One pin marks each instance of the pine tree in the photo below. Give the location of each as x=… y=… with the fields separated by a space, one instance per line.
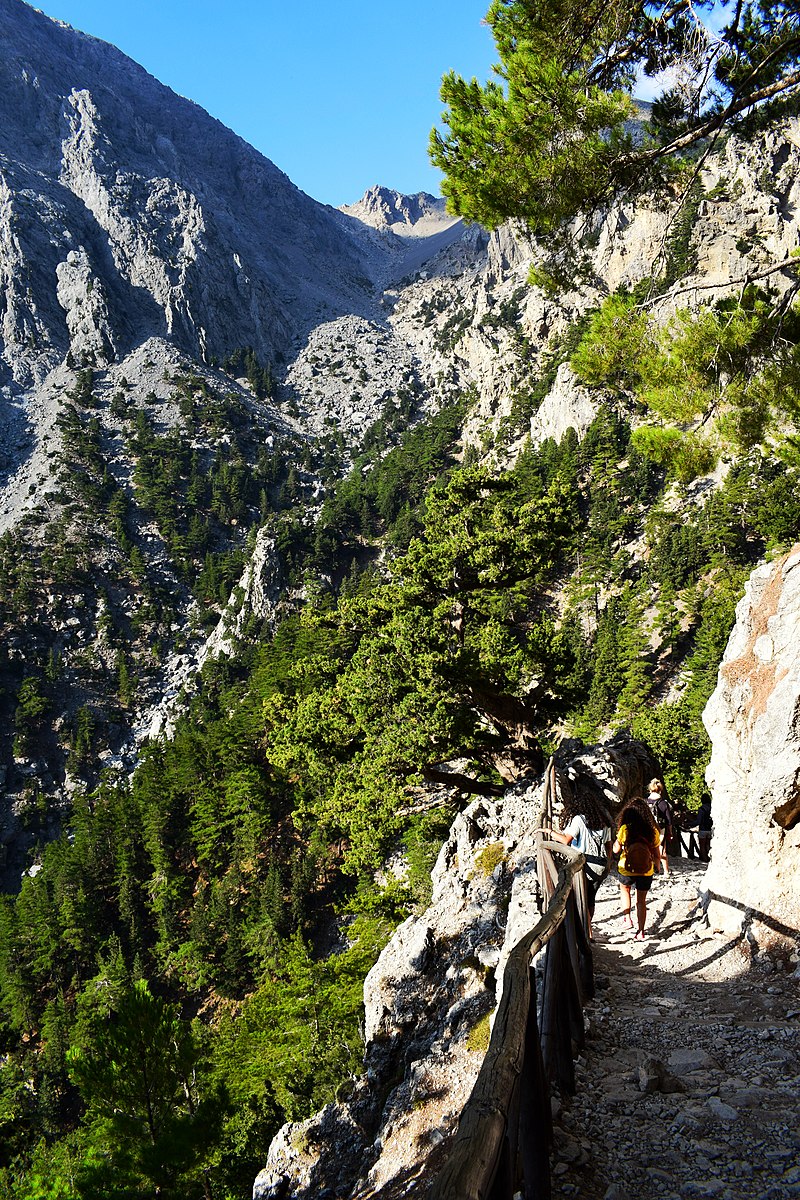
x=152 y=1125
x=549 y=140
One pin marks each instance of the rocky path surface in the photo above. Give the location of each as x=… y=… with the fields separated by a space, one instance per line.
x=689 y=1085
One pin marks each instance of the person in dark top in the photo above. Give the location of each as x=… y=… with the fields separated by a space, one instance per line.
x=661 y=809
x=704 y=828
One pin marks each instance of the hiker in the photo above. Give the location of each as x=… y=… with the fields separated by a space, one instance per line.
x=638 y=844
x=704 y=828
x=661 y=809
x=586 y=825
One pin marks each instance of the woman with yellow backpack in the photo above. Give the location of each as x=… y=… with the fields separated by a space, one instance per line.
x=638 y=844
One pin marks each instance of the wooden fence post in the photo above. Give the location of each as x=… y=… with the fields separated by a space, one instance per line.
x=536 y=1116
x=504 y=1182
x=572 y=1007
x=584 y=947
x=572 y=922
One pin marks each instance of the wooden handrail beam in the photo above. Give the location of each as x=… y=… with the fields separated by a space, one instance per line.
x=483 y=1128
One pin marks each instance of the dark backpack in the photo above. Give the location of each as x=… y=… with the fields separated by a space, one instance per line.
x=662 y=813
x=638 y=857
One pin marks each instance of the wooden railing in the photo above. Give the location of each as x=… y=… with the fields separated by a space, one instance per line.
x=502 y=1144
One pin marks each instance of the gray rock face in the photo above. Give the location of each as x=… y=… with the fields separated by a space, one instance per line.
x=424 y=999
x=108 y=178
x=406 y=216
x=568 y=405
x=753 y=720
x=81 y=295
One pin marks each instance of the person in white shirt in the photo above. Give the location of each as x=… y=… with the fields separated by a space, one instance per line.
x=586 y=825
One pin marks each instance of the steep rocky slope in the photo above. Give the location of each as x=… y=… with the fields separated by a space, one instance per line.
x=127 y=212
x=478 y=320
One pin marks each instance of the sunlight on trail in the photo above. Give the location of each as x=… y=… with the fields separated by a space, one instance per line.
x=689 y=1086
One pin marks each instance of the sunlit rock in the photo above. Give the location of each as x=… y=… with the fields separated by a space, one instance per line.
x=753 y=719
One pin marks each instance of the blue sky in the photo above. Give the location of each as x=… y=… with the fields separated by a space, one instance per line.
x=340 y=94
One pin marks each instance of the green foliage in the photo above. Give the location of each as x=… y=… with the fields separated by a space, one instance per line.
x=683 y=456
x=614 y=341
x=299 y=1030
x=681 y=258
x=260 y=378
x=435 y=649
x=480 y=1034
x=549 y=140
x=386 y=497
x=490 y=858
x=678 y=740
x=422 y=842
x=674 y=731
x=724 y=375
x=149 y=1120
x=52 y=1174
x=535 y=147
x=82 y=737
x=32 y=704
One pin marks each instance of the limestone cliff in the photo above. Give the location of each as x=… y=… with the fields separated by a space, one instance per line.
x=753 y=720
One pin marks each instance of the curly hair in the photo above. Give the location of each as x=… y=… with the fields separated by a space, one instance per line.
x=636 y=814
x=587 y=804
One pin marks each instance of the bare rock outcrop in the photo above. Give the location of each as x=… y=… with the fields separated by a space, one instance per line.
x=753 y=720
x=568 y=405
x=82 y=297
x=417 y=215
x=424 y=1000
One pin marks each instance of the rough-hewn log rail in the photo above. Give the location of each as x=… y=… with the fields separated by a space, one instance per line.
x=502 y=1143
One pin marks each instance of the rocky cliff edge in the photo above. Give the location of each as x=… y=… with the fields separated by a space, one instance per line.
x=429 y=997
x=753 y=720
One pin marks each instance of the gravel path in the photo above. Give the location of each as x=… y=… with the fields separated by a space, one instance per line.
x=690 y=1081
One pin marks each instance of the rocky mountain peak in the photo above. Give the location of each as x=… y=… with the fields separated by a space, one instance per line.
x=418 y=215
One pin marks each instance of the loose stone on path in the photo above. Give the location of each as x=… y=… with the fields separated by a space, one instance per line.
x=689 y=1084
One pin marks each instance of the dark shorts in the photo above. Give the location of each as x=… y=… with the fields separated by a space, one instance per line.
x=640 y=883
x=592 y=884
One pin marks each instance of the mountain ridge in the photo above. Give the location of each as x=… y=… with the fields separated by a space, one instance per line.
x=414 y=215
x=115 y=142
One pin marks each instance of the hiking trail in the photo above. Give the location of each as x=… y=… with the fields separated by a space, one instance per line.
x=689 y=1084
